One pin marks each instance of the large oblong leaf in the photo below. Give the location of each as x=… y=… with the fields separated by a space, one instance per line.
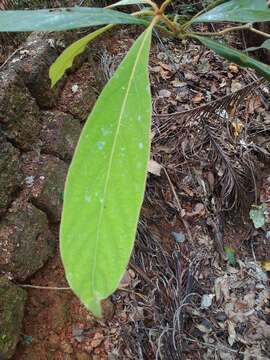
x=237 y=11
x=106 y=181
x=235 y=56
x=65 y=60
x=62 y=19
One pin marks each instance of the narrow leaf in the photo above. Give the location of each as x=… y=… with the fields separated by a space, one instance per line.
x=65 y=60
x=237 y=11
x=231 y=255
x=128 y=2
x=265 y=45
x=235 y=56
x=62 y=19
x=106 y=181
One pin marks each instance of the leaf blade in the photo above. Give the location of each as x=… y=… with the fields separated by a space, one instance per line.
x=121 y=150
x=235 y=56
x=264 y=45
x=237 y=11
x=61 y=19
x=127 y=2
x=65 y=60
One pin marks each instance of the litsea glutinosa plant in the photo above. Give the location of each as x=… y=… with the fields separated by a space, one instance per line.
x=106 y=180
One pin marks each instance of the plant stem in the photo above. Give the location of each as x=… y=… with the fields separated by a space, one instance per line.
x=164 y=5
x=164 y=30
x=222 y=32
x=153 y=4
x=172 y=26
x=235 y=28
x=143 y=13
x=207 y=8
x=44 y=287
x=262 y=33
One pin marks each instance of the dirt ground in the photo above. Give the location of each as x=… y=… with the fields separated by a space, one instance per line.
x=197 y=285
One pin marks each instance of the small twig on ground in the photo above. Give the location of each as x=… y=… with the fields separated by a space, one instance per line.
x=180 y=209
x=142 y=274
x=43 y=287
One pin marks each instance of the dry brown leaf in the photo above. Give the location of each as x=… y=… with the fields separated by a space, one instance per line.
x=235 y=86
x=198 y=98
x=232 y=333
x=222 y=288
x=265 y=265
x=177 y=83
x=125 y=282
x=237 y=128
x=164 y=93
x=233 y=68
x=154 y=167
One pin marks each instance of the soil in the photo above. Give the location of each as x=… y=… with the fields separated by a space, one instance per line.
x=182 y=295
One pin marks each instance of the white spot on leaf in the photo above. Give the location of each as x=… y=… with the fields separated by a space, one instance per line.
x=88 y=198
x=105 y=131
x=100 y=145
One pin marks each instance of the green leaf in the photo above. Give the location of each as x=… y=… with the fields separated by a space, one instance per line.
x=235 y=56
x=62 y=19
x=237 y=11
x=231 y=255
x=65 y=60
x=265 y=45
x=257 y=215
x=128 y=2
x=106 y=181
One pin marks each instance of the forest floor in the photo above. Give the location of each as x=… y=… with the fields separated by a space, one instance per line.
x=197 y=284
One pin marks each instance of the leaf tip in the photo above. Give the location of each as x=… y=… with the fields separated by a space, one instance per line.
x=95 y=307
x=52 y=77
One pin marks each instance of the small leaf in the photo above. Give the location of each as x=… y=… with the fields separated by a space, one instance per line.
x=62 y=19
x=128 y=2
x=154 y=167
x=106 y=181
x=265 y=45
x=265 y=265
x=206 y=301
x=235 y=56
x=231 y=255
x=65 y=60
x=257 y=215
x=237 y=11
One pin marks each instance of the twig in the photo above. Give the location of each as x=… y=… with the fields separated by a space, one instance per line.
x=180 y=209
x=227 y=30
x=11 y=56
x=43 y=287
x=262 y=33
x=165 y=4
x=222 y=32
x=171 y=25
x=151 y=3
x=142 y=274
